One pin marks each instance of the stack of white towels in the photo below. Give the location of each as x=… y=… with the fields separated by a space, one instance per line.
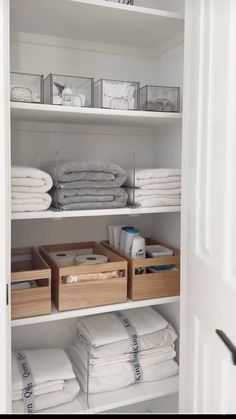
x=54 y=381
x=116 y=350
x=29 y=187
x=154 y=187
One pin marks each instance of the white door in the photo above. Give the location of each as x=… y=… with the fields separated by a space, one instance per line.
x=5 y=351
x=208 y=375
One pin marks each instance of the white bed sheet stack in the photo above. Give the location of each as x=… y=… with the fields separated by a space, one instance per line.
x=54 y=381
x=29 y=187
x=154 y=187
x=106 y=358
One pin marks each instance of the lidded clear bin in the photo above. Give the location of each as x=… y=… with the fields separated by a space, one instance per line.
x=68 y=90
x=26 y=87
x=160 y=98
x=114 y=94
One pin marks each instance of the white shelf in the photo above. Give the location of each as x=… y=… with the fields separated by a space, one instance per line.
x=61 y=114
x=128 y=305
x=58 y=215
x=133 y=394
x=97 y=20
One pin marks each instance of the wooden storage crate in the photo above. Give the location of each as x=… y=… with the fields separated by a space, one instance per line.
x=27 y=266
x=90 y=293
x=151 y=285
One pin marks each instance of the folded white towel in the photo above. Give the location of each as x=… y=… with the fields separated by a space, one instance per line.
x=21 y=201
x=46 y=365
x=141 y=177
x=161 y=186
x=107 y=328
x=157 y=202
x=148 y=193
x=120 y=380
x=30 y=179
x=155 y=340
x=45 y=388
x=80 y=356
x=70 y=391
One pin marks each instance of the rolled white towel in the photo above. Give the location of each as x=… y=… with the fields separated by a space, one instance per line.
x=30 y=179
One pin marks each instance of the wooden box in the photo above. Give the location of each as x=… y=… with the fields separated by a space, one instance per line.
x=152 y=285
x=29 y=266
x=90 y=293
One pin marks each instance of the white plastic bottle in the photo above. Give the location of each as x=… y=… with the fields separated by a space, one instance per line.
x=139 y=252
x=67 y=95
x=130 y=235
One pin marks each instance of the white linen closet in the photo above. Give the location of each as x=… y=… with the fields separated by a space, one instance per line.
x=156 y=42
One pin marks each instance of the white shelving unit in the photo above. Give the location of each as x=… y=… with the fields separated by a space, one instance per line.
x=56 y=315
x=97 y=20
x=100 y=39
x=72 y=115
x=55 y=215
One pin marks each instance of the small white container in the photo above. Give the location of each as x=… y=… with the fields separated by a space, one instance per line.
x=129 y=237
x=67 y=96
x=123 y=236
x=138 y=251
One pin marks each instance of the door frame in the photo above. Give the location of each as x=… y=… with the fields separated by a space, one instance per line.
x=5 y=211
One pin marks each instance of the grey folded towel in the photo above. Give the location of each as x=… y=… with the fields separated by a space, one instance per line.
x=87 y=174
x=89 y=198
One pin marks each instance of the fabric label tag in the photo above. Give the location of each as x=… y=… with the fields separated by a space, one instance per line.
x=26 y=375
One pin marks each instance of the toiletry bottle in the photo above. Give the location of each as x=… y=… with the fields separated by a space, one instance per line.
x=123 y=236
x=138 y=251
x=67 y=95
x=130 y=234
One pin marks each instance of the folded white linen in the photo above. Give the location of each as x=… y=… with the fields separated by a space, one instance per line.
x=155 y=340
x=80 y=356
x=46 y=365
x=120 y=379
x=108 y=328
x=138 y=193
x=30 y=179
x=141 y=177
x=149 y=355
x=161 y=186
x=70 y=391
x=21 y=201
x=49 y=387
x=157 y=202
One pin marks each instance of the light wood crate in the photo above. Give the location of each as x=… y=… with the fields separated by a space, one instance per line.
x=89 y=293
x=151 y=285
x=27 y=266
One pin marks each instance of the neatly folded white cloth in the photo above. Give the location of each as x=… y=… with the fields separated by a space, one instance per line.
x=30 y=179
x=70 y=391
x=119 y=379
x=107 y=328
x=141 y=177
x=155 y=340
x=155 y=201
x=81 y=356
x=22 y=201
x=46 y=365
x=152 y=193
x=161 y=186
x=45 y=388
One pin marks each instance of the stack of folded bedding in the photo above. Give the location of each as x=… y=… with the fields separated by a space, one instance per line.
x=81 y=185
x=29 y=187
x=53 y=380
x=119 y=349
x=154 y=187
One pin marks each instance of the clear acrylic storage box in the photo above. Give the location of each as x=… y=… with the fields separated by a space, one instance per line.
x=114 y=94
x=160 y=98
x=68 y=90
x=26 y=87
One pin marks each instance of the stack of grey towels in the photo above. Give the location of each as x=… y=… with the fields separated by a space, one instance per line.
x=82 y=185
x=116 y=350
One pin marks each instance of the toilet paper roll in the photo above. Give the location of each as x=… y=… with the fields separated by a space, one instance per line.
x=90 y=259
x=64 y=258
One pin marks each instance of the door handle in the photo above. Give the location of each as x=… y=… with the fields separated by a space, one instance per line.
x=228 y=343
